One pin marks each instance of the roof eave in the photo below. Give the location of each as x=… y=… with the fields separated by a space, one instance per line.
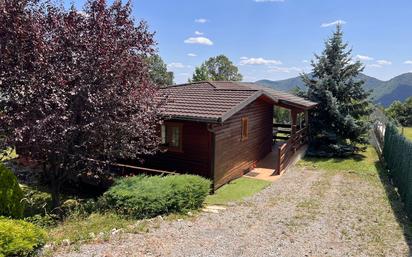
x=246 y=102
x=193 y=118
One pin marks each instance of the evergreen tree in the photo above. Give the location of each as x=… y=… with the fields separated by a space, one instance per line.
x=215 y=69
x=339 y=124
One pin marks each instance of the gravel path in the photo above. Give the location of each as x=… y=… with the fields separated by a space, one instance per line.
x=304 y=213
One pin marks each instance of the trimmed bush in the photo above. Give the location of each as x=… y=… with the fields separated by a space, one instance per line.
x=10 y=194
x=144 y=196
x=19 y=238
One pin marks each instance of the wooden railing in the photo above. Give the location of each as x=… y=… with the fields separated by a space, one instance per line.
x=288 y=149
x=285 y=129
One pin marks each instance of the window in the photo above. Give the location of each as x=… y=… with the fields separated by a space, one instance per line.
x=245 y=128
x=171 y=134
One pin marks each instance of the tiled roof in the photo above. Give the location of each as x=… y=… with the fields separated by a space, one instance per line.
x=286 y=98
x=217 y=101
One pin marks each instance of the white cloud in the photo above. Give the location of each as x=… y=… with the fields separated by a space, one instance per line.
x=408 y=62
x=176 y=65
x=191 y=54
x=374 y=65
x=333 y=23
x=268 y=1
x=305 y=61
x=284 y=69
x=201 y=20
x=258 y=61
x=199 y=33
x=383 y=62
x=363 y=57
x=199 y=40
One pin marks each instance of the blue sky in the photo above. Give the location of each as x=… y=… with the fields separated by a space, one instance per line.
x=274 y=39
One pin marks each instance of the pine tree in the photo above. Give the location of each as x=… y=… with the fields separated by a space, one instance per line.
x=339 y=124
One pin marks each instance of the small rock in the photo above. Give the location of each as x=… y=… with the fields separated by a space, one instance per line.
x=66 y=242
x=189 y=213
x=210 y=210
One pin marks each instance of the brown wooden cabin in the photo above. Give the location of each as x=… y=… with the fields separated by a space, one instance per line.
x=220 y=130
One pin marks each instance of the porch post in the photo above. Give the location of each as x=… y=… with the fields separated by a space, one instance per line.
x=307 y=125
x=294 y=120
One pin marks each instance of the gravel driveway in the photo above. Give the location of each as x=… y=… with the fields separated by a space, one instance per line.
x=304 y=213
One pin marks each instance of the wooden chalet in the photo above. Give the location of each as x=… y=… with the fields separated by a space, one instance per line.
x=221 y=130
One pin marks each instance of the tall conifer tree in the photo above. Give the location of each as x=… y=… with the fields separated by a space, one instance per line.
x=339 y=124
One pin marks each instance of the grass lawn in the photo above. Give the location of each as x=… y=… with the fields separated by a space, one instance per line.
x=407 y=132
x=236 y=190
x=364 y=162
x=96 y=226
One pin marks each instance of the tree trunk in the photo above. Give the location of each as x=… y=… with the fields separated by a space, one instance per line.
x=55 y=176
x=55 y=191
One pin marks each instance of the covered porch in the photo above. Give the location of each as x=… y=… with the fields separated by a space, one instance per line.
x=290 y=138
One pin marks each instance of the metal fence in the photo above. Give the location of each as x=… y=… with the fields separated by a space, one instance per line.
x=395 y=151
x=397 y=155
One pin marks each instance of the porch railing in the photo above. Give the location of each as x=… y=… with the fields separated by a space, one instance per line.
x=289 y=148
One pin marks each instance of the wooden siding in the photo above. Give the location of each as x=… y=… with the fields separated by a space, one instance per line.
x=195 y=157
x=232 y=155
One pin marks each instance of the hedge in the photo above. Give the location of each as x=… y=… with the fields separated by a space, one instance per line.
x=19 y=238
x=149 y=196
x=397 y=153
x=11 y=194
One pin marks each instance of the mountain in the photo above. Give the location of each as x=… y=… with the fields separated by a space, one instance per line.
x=383 y=92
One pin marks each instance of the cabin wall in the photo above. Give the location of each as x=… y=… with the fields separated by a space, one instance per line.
x=233 y=157
x=196 y=154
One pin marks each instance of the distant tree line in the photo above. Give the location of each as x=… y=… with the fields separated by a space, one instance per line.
x=401 y=112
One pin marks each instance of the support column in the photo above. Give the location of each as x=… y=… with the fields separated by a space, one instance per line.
x=294 y=115
x=307 y=125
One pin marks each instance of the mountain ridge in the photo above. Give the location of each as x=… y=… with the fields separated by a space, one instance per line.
x=384 y=92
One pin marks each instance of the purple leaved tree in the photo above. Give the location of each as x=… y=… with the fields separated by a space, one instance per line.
x=74 y=85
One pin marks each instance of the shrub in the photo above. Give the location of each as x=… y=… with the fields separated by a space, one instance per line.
x=144 y=196
x=10 y=194
x=19 y=238
x=44 y=221
x=36 y=201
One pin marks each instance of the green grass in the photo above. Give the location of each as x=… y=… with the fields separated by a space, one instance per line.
x=94 y=227
x=364 y=162
x=236 y=190
x=407 y=132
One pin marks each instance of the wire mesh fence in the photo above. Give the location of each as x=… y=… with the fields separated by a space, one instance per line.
x=395 y=152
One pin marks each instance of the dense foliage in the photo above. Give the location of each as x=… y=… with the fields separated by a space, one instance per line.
x=19 y=238
x=218 y=68
x=158 y=71
x=339 y=123
x=397 y=152
x=142 y=196
x=401 y=112
x=11 y=194
x=75 y=85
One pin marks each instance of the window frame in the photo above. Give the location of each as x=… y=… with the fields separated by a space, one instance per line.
x=167 y=129
x=244 y=128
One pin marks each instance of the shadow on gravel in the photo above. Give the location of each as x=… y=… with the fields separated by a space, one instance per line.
x=397 y=205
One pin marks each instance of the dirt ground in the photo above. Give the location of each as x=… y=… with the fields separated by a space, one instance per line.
x=304 y=213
